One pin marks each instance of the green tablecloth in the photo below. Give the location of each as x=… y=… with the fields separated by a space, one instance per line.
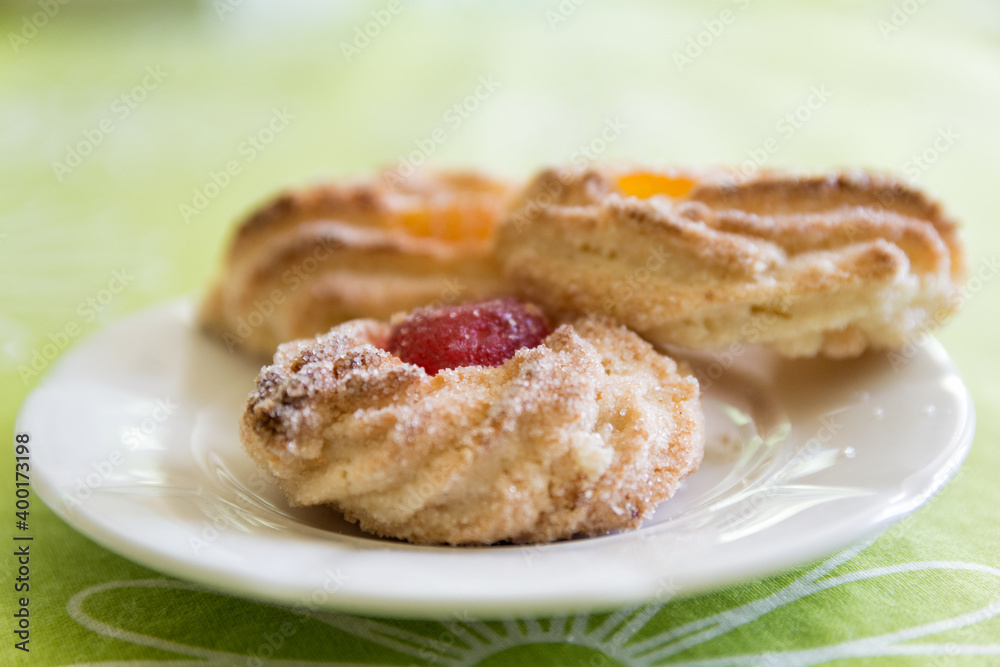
x=132 y=137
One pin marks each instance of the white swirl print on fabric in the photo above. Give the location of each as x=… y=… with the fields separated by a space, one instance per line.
x=613 y=640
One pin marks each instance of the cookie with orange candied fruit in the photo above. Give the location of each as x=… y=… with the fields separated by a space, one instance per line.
x=828 y=264
x=318 y=256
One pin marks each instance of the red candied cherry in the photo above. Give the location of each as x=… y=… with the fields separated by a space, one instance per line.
x=485 y=333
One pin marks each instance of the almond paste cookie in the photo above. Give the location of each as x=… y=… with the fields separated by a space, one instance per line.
x=580 y=431
x=829 y=264
x=322 y=255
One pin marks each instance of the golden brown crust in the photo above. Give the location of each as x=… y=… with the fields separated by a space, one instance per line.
x=828 y=264
x=580 y=435
x=320 y=256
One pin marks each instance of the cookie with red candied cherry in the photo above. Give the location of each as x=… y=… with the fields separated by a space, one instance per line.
x=476 y=424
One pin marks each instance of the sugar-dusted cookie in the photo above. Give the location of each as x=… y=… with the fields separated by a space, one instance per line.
x=533 y=437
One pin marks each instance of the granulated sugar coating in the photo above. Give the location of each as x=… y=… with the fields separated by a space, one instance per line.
x=486 y=333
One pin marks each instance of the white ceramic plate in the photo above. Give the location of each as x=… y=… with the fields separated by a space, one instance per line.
x=135 y=445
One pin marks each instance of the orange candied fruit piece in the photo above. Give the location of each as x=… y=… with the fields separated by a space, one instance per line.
x=645 y=185
x=456 y=221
